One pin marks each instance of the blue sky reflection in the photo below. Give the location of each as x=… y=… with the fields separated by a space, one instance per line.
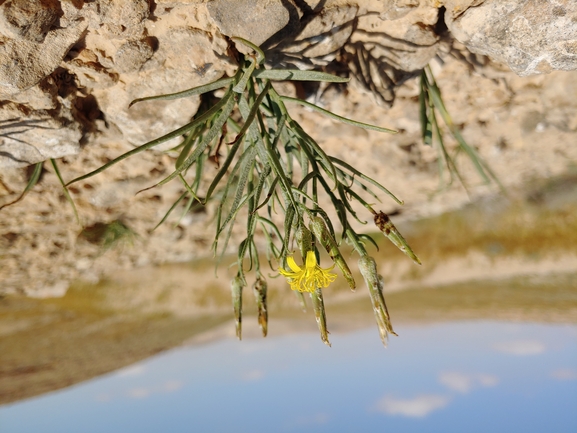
x=455 y=377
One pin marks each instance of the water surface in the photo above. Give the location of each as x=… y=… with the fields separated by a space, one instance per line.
x=473 y=376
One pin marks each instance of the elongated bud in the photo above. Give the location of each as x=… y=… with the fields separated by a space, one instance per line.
x=319 y=307
x=375 y=283
x=384 y=223
x=259 y=290
x=304 y=239
x=236 y=286
x=319 y=229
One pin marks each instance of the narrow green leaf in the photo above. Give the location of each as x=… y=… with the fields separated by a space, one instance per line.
x=31 y=182
x=253 y=112
x=337 y=117
x=173 y=134
x=259 y=53
x=426 y=126
x=66 y=192
x=246 y=168
x=270 y=191
x=186 y=146
x=210 y=135
x=199 y=90
x=188 y=188
x=346 y=203
x=353 y=194
x=241 y=85
x=297 y=75
x=370 y=239
x=363 y=176
x=324 y=158
x=178 y=200
x=223 y=169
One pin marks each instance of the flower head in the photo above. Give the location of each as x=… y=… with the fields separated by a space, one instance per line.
x=311 y=277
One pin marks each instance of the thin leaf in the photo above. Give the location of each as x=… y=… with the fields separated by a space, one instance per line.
x=363 y=176
x=31 y=182
x=222 y=171
x=297 y=75
x=426 y=126
x=241 y=85
x=210 y=135
x=178 y=200
x=253 y=112
x=337 y=117
x=259 y=53
x=173 y=134
x=199 y=90
x=246 y=168
x=66 y=192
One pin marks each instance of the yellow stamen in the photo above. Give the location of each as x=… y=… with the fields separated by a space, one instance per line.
x=311 y=277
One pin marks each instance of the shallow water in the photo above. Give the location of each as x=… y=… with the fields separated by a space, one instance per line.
x=491 y=346
x=473 y=376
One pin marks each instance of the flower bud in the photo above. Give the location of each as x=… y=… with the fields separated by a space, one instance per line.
x=322 y=234
x=375 y=283
x=259 y=290
x=384 y=223
x=320 y=315
x=236 y=286
x=304 y=239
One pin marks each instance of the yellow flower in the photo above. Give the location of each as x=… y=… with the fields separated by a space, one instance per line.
x=311 y=277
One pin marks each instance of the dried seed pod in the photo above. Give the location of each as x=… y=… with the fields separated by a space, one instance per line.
x=319 y=229
x=384 y=223
x=259 y=290
x=236 y=286
x=375 y=283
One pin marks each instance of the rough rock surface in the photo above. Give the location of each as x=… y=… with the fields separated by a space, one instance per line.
x=31 y=136
x=383 y=53
x=69 y=68
x=261 y=19
x=29 y=20
x=530 y=36
x=24 y=63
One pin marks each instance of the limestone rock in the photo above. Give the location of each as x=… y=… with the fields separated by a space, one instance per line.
x=24 y=63
x=30 y=136
x=531 y=36
x=27 y=19
x=323 y=33
x=186 y=58
x=89 y=72
x=397 y=9
x=382 y=53
x=455 y=8
x=123 y=19
x=254 y=20
x=42 y=96
x=132 y=55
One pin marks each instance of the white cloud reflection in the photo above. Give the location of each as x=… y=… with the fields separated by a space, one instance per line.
x=464 y=383
x=252 y=375
x=139 y=392
x=416 y=407
x=520 y=347
x=564 y=374
x=172 y=385
x=133 y=370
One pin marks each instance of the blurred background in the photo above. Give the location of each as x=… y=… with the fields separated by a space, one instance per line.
x=107 y=324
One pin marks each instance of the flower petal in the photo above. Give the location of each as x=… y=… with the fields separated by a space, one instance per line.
x=311 y=260
x=292 y=264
